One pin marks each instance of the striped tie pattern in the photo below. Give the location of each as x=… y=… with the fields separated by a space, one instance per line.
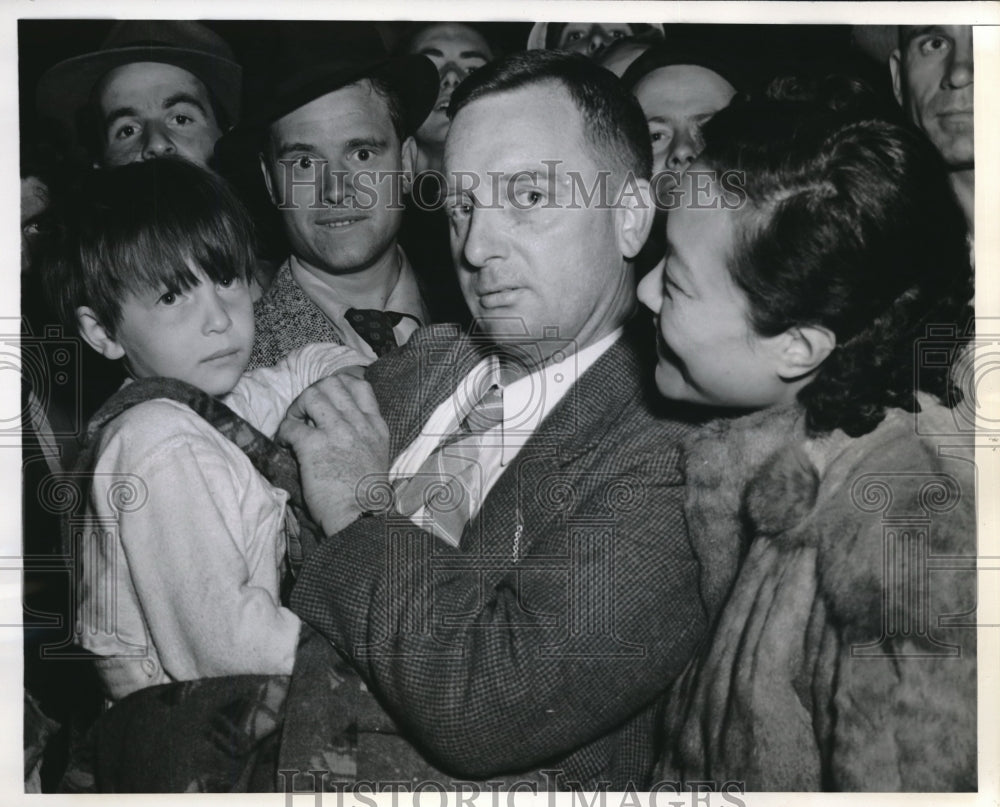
x=449 y=482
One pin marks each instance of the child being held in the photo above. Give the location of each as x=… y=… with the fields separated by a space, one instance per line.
x=178 y=570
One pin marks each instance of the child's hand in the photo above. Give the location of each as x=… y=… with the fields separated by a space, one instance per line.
x=341 y=442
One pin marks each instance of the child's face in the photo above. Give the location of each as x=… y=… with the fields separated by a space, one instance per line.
x=707 y=350
x=202 y=336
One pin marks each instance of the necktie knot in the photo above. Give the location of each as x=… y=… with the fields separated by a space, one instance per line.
x=375 y=327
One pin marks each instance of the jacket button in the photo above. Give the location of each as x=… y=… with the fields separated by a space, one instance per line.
x=149 y=667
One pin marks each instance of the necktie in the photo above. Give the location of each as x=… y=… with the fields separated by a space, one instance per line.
x=375 y=327
x=449 y=483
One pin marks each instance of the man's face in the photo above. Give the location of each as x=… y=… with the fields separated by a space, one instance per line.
x=530 y=262
x=677 y=101
x=151 y=110
x=932 y=77
x=591 y=38
x=456 y=51
x=333 y=168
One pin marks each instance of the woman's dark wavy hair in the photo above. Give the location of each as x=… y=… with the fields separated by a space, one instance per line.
x=850 y=224
x=121 y=231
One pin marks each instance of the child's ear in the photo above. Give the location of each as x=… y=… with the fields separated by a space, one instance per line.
x=802 y=349
x=96 y=335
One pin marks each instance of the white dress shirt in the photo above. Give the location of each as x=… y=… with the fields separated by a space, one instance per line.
x=403 y=299
x=526 y=403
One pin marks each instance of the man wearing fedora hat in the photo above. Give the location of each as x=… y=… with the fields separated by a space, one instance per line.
x=333 y=130
x=154 y=88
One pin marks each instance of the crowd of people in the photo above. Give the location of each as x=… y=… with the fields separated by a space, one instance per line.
x=571 y=432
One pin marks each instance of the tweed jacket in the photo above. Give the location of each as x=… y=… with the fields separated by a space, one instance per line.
x=286 y=319
x=844 y=657
x=545 y=639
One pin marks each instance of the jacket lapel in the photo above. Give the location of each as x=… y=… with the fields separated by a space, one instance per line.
x=530 y=490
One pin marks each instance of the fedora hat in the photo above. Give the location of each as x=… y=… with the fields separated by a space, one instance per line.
x=316 y=58
x=66 y=87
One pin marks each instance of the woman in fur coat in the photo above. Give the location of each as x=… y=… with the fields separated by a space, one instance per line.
x=832 y=508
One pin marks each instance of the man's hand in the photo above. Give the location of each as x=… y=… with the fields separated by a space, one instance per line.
x=340 y=440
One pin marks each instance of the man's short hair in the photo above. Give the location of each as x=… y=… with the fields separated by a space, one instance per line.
x=614 y=124
x=136 y=227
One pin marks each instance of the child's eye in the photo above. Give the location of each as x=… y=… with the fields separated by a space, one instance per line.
x=227 y=282
x=168 y=298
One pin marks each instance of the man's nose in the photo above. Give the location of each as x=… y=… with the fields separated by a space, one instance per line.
x=960 y=69
x=338 y=183
x=156 y=141
x=451 y=75
x=481 y=241
x=600 y=38
x=684 y=148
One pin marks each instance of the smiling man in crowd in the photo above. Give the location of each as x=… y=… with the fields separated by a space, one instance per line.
x=530 y=591
x=932 y=78
x=335 y=122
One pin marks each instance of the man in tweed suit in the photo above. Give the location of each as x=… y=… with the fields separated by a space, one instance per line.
x=536 y=645
x=335 y=120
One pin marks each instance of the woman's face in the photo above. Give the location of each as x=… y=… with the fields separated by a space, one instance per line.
x=708 y=353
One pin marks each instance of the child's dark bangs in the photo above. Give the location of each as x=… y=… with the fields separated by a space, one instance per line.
x=220 y=238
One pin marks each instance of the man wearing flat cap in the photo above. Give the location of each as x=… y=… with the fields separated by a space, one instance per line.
x=334 y=133
x=154 y=88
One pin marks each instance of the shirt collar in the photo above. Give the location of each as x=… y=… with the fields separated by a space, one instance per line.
x=404 y=298
x=529 y=399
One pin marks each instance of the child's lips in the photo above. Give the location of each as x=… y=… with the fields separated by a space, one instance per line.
x=222 y=355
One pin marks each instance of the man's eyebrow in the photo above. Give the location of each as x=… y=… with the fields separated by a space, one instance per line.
x=168 y=102
x=184 y=98
x=288 y=148
x=120 y=112
x=465 y=54
x=368 y=142
x=909 y=34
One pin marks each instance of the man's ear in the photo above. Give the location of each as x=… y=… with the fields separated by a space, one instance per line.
x=96 y=335
x=268 y=182
x=895 y=70
x=802 y=349
x=408 y=158
x=633 y=215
